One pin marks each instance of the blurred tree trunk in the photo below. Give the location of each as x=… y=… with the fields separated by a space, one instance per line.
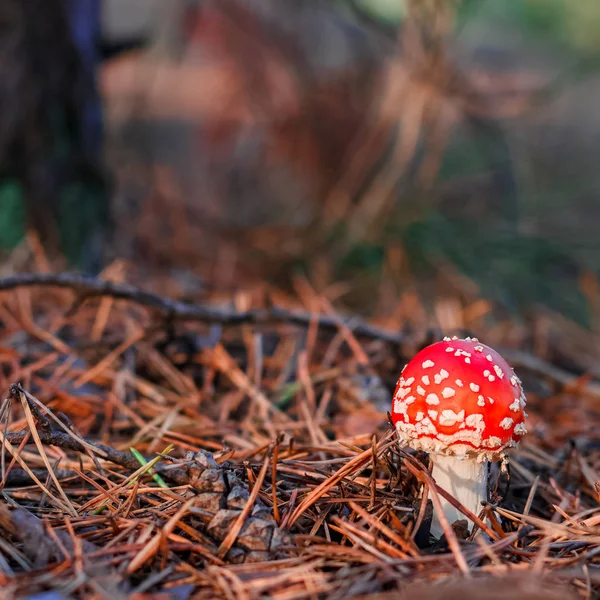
x=51 y=174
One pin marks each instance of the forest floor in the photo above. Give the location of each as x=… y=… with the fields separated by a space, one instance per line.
x=238 y=446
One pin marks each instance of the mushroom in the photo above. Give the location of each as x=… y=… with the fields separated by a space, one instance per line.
x=459 y=401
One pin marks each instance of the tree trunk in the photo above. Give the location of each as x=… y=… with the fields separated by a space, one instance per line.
x=51 y=128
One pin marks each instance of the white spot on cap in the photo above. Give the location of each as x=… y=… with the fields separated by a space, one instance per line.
x=491 y=400
x=425 y=379
x=492 y=442
x=420 y=391
x=474 y=387
x=439 y=377
x=489 y=357
x=506 y=423
x=516 y=405
x=401 y=392
x=432 y=399
x=428 y=364
x=449 y=417
x=426 y=427
x=400 y=406
x=520 y=429
x=486 y=373
x=449 y=349
x=491 y=378
x=433 y=414
x=467 y=360
x=459 y=382
x=476 y=421
x=410 y=381
x=419 y=416
x=480 y=400
x=478 y=348
x=448 y=392
x=499 y=371
x=407 y=428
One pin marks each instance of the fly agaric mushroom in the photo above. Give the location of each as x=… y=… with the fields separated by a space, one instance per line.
x=459 y=401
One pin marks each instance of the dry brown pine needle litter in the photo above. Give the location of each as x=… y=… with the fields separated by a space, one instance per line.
x=144 y=455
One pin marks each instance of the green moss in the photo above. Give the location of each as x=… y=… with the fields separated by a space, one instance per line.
x=363 y=257
x=83 y=219
x=516 y=271
x=12 y=214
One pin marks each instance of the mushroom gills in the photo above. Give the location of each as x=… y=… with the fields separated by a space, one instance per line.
x=464 y=478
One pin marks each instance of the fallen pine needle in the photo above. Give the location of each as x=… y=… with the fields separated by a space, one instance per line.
x=159 y=480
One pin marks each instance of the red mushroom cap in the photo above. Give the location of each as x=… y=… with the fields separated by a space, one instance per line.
x=459 y=397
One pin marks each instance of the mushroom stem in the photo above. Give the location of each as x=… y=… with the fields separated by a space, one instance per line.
x=466 y=480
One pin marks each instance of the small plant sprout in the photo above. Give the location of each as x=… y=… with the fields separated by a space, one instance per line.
x=459 y=401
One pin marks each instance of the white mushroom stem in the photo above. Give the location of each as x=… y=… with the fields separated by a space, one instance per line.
x=463 y=478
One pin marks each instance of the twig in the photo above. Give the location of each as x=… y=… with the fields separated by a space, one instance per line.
x=66 y=442
x=14 y=452
x=90 y=287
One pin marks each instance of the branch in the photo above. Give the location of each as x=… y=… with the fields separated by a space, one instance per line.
x=88 y=287
x=66 y=442
x=125 y=459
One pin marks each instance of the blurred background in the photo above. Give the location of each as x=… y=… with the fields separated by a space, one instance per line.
x=417 y=161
